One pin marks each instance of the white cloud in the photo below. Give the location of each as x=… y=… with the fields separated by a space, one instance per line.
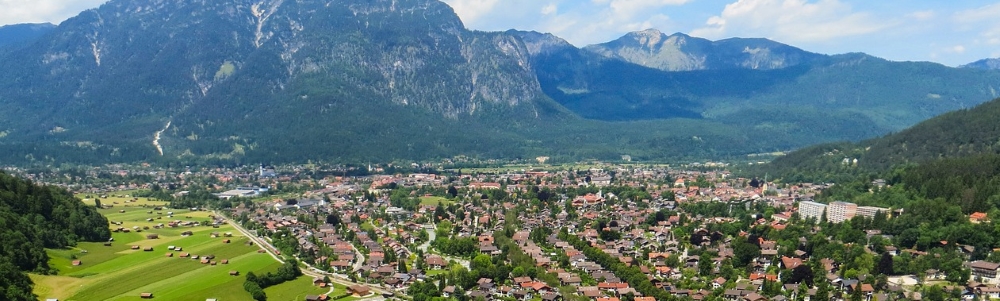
x=956 y=49
x=550 y=9
x=629 y=8
x=984 y=13
x=791 y=21
x=982 y=20
x=609 y=19
x=38 y=11
x=923 y=15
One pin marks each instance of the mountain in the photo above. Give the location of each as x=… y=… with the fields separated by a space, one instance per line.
x=21 y=34
x=222 y=78
x=965 y=133
x=990 y=64
x=679 y=52
x=379 y=80
x=818 y=99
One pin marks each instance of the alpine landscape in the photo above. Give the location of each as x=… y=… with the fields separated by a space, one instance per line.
x=383 y=150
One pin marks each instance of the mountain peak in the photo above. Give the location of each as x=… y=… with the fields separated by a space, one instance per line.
x=537 y=42
x=681 y=52
x=988 y=64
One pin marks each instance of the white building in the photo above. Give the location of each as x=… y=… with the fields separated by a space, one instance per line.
x=811 y=209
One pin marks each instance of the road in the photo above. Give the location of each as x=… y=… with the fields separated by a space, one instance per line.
x=431 y=236
x=309 y=270
x=360 y=260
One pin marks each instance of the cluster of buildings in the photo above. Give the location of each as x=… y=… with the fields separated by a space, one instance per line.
x=838 y=212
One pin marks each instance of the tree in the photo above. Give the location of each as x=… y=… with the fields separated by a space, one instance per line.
x=16 y=286
x=744 y=252
x=705 y=265
x=333 y=219
x=885 y=265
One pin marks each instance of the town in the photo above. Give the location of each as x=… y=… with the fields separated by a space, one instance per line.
x=602 y=232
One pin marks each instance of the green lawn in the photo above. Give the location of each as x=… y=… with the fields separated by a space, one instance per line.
x=434 y=200
x=298 y=289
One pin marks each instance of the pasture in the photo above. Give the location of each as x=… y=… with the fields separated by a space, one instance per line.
x=119 y=272
x=298 y=289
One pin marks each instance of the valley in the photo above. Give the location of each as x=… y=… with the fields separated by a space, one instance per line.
x=370 y=150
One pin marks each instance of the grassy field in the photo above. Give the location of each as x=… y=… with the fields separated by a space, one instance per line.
x=434 y=200
x=118 y=272
x=298 y=289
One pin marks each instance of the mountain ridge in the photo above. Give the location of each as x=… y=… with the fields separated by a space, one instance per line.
x=989 y=64
x=358 y=80
x=682 y=52
x=16 y=35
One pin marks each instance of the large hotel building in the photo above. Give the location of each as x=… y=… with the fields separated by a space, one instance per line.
x=837 y=212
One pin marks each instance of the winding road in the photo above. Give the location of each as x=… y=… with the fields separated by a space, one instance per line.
x=310 y=270
x=431 y=236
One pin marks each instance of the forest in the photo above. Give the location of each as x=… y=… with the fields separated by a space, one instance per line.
x=958 y=134
x=33 y=218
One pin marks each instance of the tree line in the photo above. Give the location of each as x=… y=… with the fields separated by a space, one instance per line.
x=35 y=217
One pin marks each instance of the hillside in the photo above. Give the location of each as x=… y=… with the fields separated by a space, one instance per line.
x=959 y=134
x=34 y=218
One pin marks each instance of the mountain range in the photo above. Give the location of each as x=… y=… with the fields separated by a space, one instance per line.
x=290 y=81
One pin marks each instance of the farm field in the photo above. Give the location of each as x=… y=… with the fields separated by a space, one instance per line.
x=119 y=272
x=299 y=288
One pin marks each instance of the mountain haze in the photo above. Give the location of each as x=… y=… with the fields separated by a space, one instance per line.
x=21 y=34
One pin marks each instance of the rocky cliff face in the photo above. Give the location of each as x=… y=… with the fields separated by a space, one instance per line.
x=131 y=70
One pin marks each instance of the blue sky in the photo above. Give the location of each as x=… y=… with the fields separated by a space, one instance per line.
x=949 y=32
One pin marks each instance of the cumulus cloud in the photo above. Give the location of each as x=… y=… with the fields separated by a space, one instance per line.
x=791 y=21
x=40 y=11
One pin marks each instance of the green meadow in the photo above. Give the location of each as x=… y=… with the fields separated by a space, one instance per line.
x=119 y=272
x=434 y=201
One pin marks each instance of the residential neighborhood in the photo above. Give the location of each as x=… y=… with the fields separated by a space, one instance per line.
x=605 y=233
